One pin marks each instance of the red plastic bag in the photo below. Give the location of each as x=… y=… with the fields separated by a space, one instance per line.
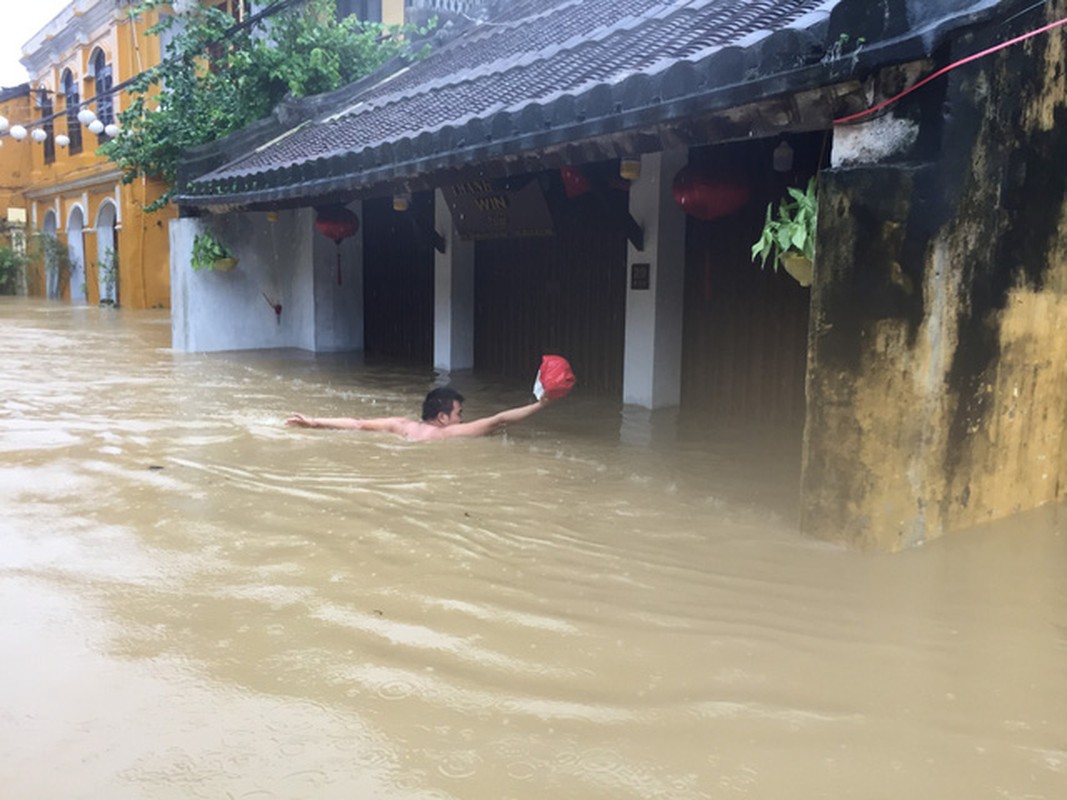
x=555 y=378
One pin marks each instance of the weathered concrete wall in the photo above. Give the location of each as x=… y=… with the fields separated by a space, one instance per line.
x=937 y=387
x=284 y=262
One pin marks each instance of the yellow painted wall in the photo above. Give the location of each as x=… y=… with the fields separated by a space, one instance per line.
x=15 y=169
x=393 y=12
x=89 y=181
x=15 y=162
x=937 y=379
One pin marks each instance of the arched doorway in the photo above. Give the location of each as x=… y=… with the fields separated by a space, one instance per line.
x=76 y=250
x=107 y=255
x=51 y=268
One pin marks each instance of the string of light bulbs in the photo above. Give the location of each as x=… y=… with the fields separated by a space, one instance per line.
x=35 y=130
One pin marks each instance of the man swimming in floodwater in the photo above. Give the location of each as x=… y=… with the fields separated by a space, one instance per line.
x=442 y=418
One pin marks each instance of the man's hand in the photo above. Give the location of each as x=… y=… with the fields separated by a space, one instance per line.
x=299 y=421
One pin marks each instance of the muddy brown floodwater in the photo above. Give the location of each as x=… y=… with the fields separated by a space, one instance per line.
x=196 y=602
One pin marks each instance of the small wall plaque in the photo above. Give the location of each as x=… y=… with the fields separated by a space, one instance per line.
x=641 y=276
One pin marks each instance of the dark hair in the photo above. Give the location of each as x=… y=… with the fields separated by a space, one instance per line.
x=440 y=401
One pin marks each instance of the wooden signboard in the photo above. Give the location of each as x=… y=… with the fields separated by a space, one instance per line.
x=487 y=210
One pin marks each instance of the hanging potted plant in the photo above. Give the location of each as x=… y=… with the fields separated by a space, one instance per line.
x=210 y=253
x=788 y=237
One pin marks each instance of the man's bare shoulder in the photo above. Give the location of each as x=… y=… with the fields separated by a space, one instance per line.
x=421 y=431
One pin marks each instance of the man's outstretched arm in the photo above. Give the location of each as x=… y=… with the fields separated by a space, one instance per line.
x=487 y=425
x=387 y=424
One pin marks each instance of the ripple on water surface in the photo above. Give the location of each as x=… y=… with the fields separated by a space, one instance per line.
x=580 y=608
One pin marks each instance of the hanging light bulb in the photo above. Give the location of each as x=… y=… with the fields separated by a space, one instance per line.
x=401 y=201
x=630 y=169
x=112 y=130
x=96 y=126
x=18 y=133
x=38 y=135
x=783 y=157
x=62 y=140
x=86 y=116
x=4 y=124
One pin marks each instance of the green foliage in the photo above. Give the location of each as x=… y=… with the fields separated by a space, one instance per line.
x=844 y=46
x=12 y=267
x=211 y=84
x=207 y=250
x=109 y=275
x=56 y=257
x=791 y=230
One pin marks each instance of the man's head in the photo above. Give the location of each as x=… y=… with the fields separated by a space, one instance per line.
x=443 y=400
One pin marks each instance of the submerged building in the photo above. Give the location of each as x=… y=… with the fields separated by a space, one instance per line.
x=116 y=252
x=588 y=177
x=59 y=185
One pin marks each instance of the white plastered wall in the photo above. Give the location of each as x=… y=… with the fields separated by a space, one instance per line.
x=284 y=262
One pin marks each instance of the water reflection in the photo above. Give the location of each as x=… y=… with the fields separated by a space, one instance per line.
x=199 y=602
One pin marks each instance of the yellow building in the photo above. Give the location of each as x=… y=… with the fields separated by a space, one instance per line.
x=118 y=253
x=15 y=163
x=389 y=12
x=14 y=173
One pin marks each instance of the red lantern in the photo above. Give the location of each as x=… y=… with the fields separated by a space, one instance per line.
x=704 y=197
x=574 y=181
x=337 y=223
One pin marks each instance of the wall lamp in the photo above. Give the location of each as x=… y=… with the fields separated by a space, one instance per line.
x=630 y=169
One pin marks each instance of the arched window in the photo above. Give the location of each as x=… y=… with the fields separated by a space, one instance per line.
x=74 y=128
x=44 y=102
x=364 y=10
x=102 y=82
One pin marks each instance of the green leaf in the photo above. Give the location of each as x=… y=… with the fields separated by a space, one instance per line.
x=788 y=227
x=215 y=85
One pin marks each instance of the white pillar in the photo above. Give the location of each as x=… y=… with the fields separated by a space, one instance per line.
x=652 y=367
x=453 y=335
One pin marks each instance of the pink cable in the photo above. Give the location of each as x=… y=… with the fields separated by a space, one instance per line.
x=949 y=68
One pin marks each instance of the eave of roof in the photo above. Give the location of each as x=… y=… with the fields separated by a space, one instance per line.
x=754 y=65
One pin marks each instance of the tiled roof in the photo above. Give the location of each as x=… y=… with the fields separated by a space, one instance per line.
x=540 y=73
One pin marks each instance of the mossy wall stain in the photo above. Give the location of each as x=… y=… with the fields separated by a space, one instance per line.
x=937 y=388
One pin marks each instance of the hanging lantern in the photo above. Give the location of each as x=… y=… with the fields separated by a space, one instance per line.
x=630 y=169
x=4 y=124
x=38 y=135
x=62 y=140
x=705 y=197
x=96 y=126
x=782 y=157
x=337 y=223
x=574 y=181
x=18 y=133
x=112 y=130
x=86 y=116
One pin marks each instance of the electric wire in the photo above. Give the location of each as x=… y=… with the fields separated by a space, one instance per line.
x=954 y=65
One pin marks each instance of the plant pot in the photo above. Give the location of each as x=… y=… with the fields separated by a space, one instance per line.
x=225 y=264
x=799 y=267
